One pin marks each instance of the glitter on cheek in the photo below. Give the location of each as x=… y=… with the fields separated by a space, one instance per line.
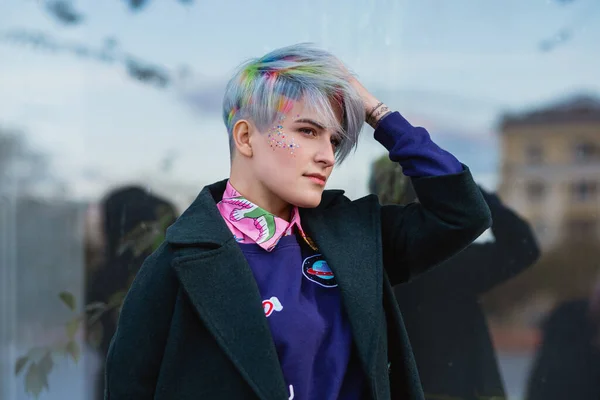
x=277 y=138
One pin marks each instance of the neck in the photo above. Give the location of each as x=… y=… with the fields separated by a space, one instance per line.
x=258 y=194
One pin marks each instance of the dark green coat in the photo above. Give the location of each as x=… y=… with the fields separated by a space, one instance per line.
x=193 y=327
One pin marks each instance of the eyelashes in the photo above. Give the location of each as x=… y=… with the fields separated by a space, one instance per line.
x=308 y=131
x=335 y=141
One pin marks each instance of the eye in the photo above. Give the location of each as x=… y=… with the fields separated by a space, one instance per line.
x=335 y=141
x=308 y=131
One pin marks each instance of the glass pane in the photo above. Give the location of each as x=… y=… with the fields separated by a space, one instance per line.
x=111 y=123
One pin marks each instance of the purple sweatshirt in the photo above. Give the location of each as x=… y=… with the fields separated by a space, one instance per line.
x=312 y=335
x=301 y=299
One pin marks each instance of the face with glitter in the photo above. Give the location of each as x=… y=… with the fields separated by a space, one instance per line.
x=293 y=159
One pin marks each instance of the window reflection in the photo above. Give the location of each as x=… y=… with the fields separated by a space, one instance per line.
x=584 y=191
x=585 y=152
x=536 y=191
x=95 y=97
x=534 y=154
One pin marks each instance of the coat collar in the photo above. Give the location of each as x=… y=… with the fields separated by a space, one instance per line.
x=215 y=275
x=203 y=212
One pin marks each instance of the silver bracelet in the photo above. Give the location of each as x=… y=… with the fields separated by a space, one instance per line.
x=370 y=114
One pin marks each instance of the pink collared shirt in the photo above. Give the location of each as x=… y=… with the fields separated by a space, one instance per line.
x=251 y=224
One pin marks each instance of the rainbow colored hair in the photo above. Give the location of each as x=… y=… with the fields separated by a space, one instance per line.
x=262 y=89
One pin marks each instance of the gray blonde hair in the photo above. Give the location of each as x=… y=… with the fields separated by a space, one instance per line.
x=262 y=89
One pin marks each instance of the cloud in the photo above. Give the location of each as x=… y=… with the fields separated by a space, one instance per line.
x=204 y=97
x=47 y=74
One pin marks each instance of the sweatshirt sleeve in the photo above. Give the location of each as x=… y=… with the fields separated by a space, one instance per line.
x=413 y=148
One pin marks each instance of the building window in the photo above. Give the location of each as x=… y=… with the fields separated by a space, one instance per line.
x=534 y=154
x=535 y=191
x=585 y=152
x=584 y=191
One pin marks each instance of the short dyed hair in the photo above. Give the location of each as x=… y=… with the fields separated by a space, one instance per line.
x=262 y=89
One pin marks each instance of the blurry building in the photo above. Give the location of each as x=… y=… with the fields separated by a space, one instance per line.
x=550 y=168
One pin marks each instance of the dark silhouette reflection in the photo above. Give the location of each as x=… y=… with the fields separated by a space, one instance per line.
x=133 y=224
x=441 y=309
x=445 y=322
x=567 y=364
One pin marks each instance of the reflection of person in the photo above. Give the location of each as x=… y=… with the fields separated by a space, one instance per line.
x=595 y=309
x=123 y=213
x=444 y=320
x=270 y=287
x=567 y=364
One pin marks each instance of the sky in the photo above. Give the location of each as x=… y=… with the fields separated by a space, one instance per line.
x=452 y=67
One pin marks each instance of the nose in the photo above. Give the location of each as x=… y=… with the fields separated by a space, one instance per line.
x=325 y=154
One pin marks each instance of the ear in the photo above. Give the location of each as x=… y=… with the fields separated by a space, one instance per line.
x=242 y=135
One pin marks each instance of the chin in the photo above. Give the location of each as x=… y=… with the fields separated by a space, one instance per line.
x=307 y=199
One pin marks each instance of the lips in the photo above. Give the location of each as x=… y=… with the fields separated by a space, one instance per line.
x=317 y=178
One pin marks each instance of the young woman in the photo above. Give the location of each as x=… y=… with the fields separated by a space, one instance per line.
x=269 y=286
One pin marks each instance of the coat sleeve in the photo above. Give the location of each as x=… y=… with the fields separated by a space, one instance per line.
x=480 y=267
x=135 y=354
x=450 y=215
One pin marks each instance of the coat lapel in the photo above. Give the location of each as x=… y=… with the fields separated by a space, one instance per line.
x=219 y=283
x=216 y=277
x=344 y=235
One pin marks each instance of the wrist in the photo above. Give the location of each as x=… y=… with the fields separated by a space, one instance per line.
x=376 y=113
x=370 y=102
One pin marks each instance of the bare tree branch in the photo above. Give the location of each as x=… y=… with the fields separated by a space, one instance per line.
x=109 y=53
x=65 y=12
x=566 y=33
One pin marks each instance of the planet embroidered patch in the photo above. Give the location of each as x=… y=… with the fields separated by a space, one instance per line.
x=316 y=270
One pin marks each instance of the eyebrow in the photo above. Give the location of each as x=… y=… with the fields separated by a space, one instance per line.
x=310 y=121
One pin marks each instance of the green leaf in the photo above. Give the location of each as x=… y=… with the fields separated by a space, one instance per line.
x=68 y=299
x=95 y=317
x=158 y=240
x=139 y=239
x=35 y=380
x=98 y=305
x=96 y=333
x=117 y=298
x=45 y=365
x=72 y=327
x=73 y=350
x=21 y=362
